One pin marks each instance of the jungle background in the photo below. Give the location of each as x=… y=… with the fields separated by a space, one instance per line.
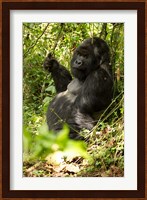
x=46 y=154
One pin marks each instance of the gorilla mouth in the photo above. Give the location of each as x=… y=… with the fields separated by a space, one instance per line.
x=79 y=73
x=79 y=69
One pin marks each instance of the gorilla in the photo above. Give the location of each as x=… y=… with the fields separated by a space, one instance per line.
x=90 y=91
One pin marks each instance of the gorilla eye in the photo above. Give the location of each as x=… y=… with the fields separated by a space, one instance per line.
x=85 y=56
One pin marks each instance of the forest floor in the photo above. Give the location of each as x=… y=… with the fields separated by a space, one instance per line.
x=75 y=168
x=107 y=153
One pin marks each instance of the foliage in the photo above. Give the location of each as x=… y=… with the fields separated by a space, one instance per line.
x=105 y=143
x=47 y=142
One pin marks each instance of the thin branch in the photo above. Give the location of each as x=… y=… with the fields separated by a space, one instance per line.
x=63 y=121
x=33 y=45
x=111 y=112
x=58 y=37
x=103 y=31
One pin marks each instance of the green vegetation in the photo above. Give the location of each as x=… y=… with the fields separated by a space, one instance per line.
x=48 y=154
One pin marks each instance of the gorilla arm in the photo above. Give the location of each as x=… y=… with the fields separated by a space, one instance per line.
x=60 y=74
x=96 y=92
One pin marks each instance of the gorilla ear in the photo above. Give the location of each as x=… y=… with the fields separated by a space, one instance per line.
x=96 y=52
x=97 y=55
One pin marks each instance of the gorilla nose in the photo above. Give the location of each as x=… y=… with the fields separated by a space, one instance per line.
x=78 y=63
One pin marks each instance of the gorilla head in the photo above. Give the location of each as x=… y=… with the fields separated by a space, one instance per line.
x=92 y=53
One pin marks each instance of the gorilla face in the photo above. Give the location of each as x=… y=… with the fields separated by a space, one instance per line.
x=83 y=61
x=88 y=57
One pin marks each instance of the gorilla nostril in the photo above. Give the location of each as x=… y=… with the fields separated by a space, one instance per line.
x=78 y=62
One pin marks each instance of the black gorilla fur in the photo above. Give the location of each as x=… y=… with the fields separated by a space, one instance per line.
x=89 y=92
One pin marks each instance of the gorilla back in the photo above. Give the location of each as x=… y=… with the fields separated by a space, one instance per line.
x=90 y=90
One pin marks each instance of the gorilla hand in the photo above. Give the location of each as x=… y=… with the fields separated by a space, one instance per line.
x=50 y=63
